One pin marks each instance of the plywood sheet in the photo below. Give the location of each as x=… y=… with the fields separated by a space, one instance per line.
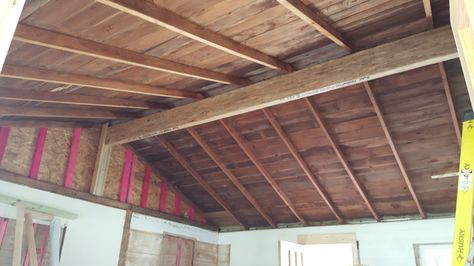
x=19 y=150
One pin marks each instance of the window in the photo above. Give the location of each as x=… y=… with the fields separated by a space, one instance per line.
x=433 y=254
x=320 y=250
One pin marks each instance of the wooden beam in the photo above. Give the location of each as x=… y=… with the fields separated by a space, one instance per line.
x=389 y=137
x=101 y=165
x=231 y=176
x=125 y=239
x=152 y=13
x=56 y=40
x=183 y=162
x=409 y=53
x=301 y=10
x=444 y=77
x=31 y=6
x=71 y=193
x=23 y=111
x=37 y=208
x=76 y=99
x=342 y=159
x=10 y=11
x=273 y=183
x=19 y=229
x=462 y=23
x=449 y=98
x=28 y=73
x=302 y=163
x=48 y=124
x=30 y=236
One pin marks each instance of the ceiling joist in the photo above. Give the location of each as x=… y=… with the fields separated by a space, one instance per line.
x=28 y=73
x=23 y=111
x=305 y=13
x=399 y=56
x=231 y=176
x=63 y=42
x=152 y=13
x=75 y=99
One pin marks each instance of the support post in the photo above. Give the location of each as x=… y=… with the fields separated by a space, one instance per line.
x=101 y=163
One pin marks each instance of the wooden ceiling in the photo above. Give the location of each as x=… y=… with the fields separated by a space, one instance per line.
x=365 y=151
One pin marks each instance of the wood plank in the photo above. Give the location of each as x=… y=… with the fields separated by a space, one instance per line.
x=76 y=99
x=23 y=111
x=342 y=159
x=31 y=6
x=19 y=228
x=101 y=165
x=314 y=19
x=125 y=239
x=68 y=192
x=428 y=12
x=56 y=40
x=28 y=73
x=214 y=194
x=10 y=11
x=30 y=236
x=302 y=163
x=213 y=155
x=462 y=22
x=409 y=53
x=394 y=149
x=48 y=124
x=273 y=183
x=162 y=17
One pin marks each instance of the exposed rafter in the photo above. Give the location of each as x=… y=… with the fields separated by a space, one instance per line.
x=150 y=12
x=23 y=111
x=28 y=73
x=388 y=135
x=185 y=164
x=302 y=163
x=231 y=176
x=248 y=151
x=317 y=21
x=75 y=99
x=56 y=40
x=406 y=54
x=342 y=159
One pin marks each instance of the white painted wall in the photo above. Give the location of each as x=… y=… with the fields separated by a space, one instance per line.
x=381 y=244
x=92 y=239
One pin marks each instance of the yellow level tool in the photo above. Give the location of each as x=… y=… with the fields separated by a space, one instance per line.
x=465 y=198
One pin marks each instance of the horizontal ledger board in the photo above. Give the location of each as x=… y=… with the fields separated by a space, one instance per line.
x=416 y=51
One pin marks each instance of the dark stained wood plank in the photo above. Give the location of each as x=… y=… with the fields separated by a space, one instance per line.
x=342 y=158
x=230 y=175
x=31 y=6
x=174 y=152
x=302 y=163
x=21 y=72
x=23 y=111
x=315 y=20
x=388 y=135
x=273 y=183
x=409 y=53
x=152 y=13
x=75 y=99
x=56 y=40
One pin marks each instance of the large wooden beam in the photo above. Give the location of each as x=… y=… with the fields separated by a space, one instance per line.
x=388 y=135
x=302 y=163
x=23 y=111
x=273 y=183
x=152 y=13
x=10 y=11
x=28 y=73
x=76 y=99
x=56 y=40
x=101 y=165
x=462 y=22
x=409 y=53
x=185 y=164
x=231 y=176
x=340 y=155
x=314 y=19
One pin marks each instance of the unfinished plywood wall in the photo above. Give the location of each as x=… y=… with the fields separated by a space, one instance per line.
x=154 y=249
x=46 y=154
